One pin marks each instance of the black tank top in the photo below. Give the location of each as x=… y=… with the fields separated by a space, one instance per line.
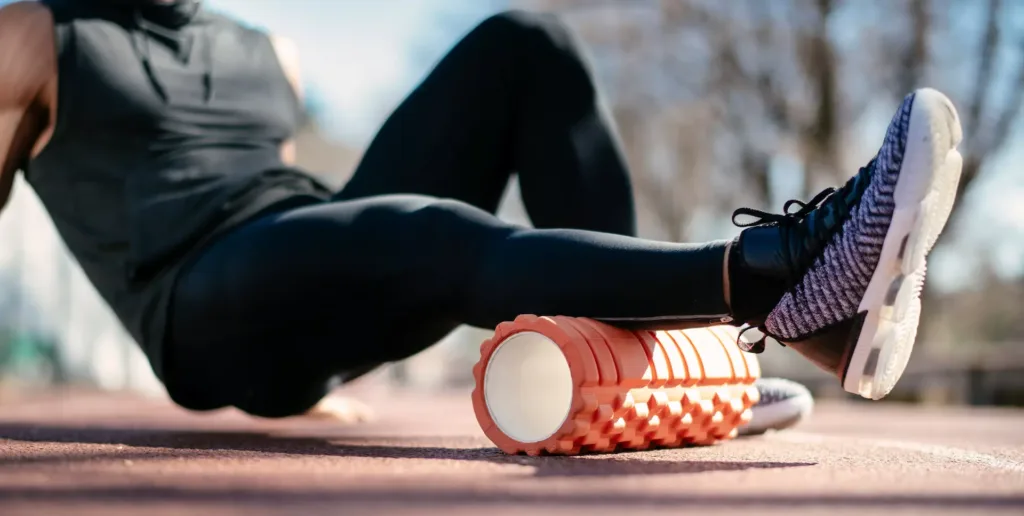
x=169 y=126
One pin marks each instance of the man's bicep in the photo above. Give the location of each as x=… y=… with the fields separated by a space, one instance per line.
x=27 y=66
x=27 y=53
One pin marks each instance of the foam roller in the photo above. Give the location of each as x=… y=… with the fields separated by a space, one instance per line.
x=564 y=385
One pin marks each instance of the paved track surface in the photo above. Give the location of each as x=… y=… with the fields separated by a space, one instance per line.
x=114 y=454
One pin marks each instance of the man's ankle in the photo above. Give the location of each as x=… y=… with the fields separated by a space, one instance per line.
x=751 y=296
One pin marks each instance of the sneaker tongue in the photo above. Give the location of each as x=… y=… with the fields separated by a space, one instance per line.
x=820 y=224
x=858 y=183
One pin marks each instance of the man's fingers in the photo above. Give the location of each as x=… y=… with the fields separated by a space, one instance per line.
x=341 y=409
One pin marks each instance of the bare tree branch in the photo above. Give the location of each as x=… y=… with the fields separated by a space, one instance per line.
x=986 y=58
x=974 y=158
x=916 y=55
x=769 y=74
x=1011 y=112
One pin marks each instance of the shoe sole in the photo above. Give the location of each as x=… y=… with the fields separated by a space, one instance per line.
x=564 y=386
x=924 y=196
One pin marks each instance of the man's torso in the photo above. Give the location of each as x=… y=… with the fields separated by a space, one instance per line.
x=157 y=134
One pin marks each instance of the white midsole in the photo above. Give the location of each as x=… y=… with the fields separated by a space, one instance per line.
x=924 y=194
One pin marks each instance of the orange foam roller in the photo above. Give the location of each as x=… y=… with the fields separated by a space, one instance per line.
x=564 y=385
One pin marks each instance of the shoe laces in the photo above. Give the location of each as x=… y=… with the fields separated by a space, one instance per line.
x=756 y=345
x=786 y=217
x=805 y=233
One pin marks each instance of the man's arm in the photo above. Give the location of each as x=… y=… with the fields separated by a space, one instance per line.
x=27 y=86
x=288 y=56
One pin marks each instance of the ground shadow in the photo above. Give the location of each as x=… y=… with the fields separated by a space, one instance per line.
x=164 y=443
x=262 y=498
x=207 y=444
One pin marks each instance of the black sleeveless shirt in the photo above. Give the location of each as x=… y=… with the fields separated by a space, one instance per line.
x=169 y=126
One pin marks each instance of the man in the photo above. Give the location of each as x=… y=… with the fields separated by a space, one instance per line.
x=157 y=135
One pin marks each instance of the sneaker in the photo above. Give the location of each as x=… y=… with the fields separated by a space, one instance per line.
x=852 y=260
x=783 y=404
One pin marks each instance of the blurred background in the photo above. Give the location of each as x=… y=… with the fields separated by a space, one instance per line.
x=719 y=105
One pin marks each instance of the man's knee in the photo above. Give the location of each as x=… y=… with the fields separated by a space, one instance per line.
x=528 y=31
x=518 y=24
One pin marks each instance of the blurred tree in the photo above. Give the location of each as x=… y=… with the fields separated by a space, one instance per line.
x=957 y=322
x=711 y=95
x=751 y=102
x=28 y=353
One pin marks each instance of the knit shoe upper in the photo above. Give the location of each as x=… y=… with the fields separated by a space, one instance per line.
x=826 y=251
x=833 y=286
x=858 y=256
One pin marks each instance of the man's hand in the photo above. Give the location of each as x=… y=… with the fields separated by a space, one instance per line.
x=288 y=56
x=341 y=409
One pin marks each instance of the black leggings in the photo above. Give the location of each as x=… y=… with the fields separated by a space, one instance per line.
x=272 y=314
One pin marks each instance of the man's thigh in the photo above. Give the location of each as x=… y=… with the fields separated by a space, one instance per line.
x=295 y=298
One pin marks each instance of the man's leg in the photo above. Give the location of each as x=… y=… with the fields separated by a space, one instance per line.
x=273 y=310
x=513 y=96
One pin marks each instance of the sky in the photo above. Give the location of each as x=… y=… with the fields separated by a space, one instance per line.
x=359 y=57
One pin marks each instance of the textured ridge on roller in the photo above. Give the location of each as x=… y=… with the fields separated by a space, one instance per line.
x=633 y=390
